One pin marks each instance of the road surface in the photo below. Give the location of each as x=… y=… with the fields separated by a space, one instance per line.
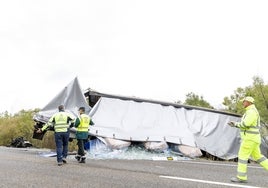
x=27 y=168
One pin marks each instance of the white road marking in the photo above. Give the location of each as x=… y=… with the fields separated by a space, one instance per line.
x=217 y=164
x=209 y=182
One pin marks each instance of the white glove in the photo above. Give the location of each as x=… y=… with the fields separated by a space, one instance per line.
x=231 y=124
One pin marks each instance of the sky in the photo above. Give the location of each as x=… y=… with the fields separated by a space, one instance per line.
x=153 y=49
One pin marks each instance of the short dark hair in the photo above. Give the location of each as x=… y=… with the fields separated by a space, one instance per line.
x=61 y=108
x=82 y=108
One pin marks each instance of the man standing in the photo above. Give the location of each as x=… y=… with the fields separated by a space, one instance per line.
x=82 y=123
x=250 y=140
x=60 y=122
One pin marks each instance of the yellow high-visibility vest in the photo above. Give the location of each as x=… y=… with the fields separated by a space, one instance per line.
x=250 y=125
x=84 y=123
x=59 y=121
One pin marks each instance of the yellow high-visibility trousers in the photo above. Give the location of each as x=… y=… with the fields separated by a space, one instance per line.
x=249 y=148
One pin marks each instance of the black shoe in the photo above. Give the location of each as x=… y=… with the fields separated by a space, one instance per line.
x=237 y=180
x=64 y=160
x=83 y=160
x=60 y=163
x=77 y=157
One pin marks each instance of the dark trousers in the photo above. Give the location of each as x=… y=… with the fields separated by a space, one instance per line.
x=61 y=139
x=81 y=146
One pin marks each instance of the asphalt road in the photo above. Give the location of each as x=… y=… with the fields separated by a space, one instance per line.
x=26 y=168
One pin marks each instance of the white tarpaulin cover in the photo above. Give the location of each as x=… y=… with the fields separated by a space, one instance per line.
x=71 y=97
x=144 y=121
x=132 y=119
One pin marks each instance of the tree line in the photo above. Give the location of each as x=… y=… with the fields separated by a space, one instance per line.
x=258 y=90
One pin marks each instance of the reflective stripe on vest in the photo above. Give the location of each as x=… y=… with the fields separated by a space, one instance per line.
x=250 y=132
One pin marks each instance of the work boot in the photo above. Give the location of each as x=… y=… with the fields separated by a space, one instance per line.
x=83 y=159
x=78 y=157
x=64 y=160
x=237 y=180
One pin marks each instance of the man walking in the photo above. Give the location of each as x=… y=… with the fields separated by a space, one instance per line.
x=60 y=122
x=82 y=123
x=250 y=136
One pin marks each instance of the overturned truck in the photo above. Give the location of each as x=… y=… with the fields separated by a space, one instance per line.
x=120 y=121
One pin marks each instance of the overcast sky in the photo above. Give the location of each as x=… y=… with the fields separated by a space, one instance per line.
x=151 y=49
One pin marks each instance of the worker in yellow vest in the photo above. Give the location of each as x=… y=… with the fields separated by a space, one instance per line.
x=250 y=140
x=60 y=123
x=82 y=123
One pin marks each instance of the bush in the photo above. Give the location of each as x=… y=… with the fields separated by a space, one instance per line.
x=22 y=125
